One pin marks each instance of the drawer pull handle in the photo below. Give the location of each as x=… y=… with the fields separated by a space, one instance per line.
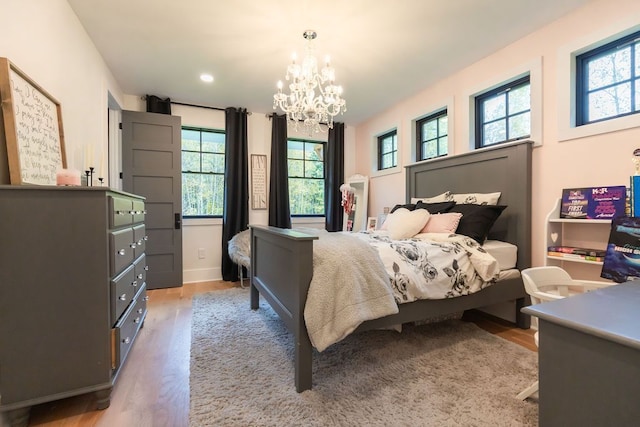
x=136 y=320
x=121 y=213
x=140 y=242
x=146 y=268
x=123 y=297
x=146 y=237
x=122 y=252
x=134 y=283
x=145 y=299
x=132 y=212
x=127 y=340
x=140 y=276
x=140 y=311
x=133 y=245
x=144 y=212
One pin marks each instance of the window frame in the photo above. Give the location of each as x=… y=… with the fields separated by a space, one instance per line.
x=201 y=130
x=479 y=111
x=380 y=140
x=419 y=137
x=324 y=181
x=581 y=84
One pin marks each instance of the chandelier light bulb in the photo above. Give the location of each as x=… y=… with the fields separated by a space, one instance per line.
x=313 y=100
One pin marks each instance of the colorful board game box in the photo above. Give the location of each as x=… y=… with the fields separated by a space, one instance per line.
x=593 y=202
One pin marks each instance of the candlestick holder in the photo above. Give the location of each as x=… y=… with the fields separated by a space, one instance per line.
x=87 y=172
x=100 y=179
x=91 y=168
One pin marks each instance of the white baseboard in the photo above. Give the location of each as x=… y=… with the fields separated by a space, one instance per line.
x=201 y=275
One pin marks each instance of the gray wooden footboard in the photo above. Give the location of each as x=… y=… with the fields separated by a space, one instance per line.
x=281 y=270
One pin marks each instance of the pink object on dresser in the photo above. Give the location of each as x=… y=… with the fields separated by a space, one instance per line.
x=67 y=177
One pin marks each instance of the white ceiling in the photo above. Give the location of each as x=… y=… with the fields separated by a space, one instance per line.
x=383 y=50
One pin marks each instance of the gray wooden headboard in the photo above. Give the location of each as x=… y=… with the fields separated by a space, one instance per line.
x=504 y=168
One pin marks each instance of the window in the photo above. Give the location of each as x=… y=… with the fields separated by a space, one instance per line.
x=504 y=114
x=388 y=150
x=431 y=134
x=202 y=172
x=608 y=81
x=306 y=177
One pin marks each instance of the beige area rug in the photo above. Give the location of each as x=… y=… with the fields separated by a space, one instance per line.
x=450 y=373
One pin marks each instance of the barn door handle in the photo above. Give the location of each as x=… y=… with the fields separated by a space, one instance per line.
x=178 y=221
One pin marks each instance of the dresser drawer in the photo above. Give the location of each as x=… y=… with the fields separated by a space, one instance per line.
x=138 y=211
x=128 y=326
x=123 y=289
x=121 y=246
x=140 y=269
x=120 y=211
x=140 y=239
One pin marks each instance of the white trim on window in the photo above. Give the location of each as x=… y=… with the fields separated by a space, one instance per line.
x=434 y=108
x=566 y=91
x=374 y=158
x=534 y=70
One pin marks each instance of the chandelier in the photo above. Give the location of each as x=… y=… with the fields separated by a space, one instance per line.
x=314 y=99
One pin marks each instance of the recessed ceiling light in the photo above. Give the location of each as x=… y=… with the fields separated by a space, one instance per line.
x=206 y=78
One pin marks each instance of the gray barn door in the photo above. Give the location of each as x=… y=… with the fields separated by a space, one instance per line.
x=151 y=167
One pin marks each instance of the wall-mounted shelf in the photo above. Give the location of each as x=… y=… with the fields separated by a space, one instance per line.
x=582 y=233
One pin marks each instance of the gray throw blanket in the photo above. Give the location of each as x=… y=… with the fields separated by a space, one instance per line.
x=349 y=286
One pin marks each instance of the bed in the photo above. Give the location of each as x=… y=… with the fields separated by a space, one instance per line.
x=282 y=259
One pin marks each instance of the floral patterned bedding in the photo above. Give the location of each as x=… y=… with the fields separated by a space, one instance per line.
x=433 y=265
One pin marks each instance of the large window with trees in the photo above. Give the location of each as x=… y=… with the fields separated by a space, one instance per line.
x=388 y=150
x=202 y=172
x=504 y=114
x=306 y=177
x=608 y=81
x=432 y=136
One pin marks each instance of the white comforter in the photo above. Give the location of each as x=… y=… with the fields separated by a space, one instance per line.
x=347 y=288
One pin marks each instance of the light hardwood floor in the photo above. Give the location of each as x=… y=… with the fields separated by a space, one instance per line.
x=153 y=387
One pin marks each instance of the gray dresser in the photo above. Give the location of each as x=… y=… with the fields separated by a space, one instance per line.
x=72 y=292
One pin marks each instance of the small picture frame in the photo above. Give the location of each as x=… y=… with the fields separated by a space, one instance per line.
x=372 y=223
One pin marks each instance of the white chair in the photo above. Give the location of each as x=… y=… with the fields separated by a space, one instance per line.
x=548 y=284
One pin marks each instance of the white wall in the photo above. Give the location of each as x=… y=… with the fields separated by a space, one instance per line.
x=563 y=157
x=47 y=42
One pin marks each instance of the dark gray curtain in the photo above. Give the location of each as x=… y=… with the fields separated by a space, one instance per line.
x=334 y=178
x=279 y=211
x=155 y=104
x=235 y=214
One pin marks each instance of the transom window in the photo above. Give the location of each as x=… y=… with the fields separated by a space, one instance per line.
x=608 y=81
x=202 y=172
x=306 y=177
x=432 y=136
x=388 y=150
x=504 y=114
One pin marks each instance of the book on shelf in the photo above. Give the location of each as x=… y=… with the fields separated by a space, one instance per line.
x=578 y=251
x=634 y=194
x=576 y=256
x=622 y=261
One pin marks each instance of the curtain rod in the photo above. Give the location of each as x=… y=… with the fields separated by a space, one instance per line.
x=194 y=105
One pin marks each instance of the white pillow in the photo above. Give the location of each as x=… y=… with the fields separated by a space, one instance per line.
x=403 y=223
x=444 y=197
x=477 y=198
